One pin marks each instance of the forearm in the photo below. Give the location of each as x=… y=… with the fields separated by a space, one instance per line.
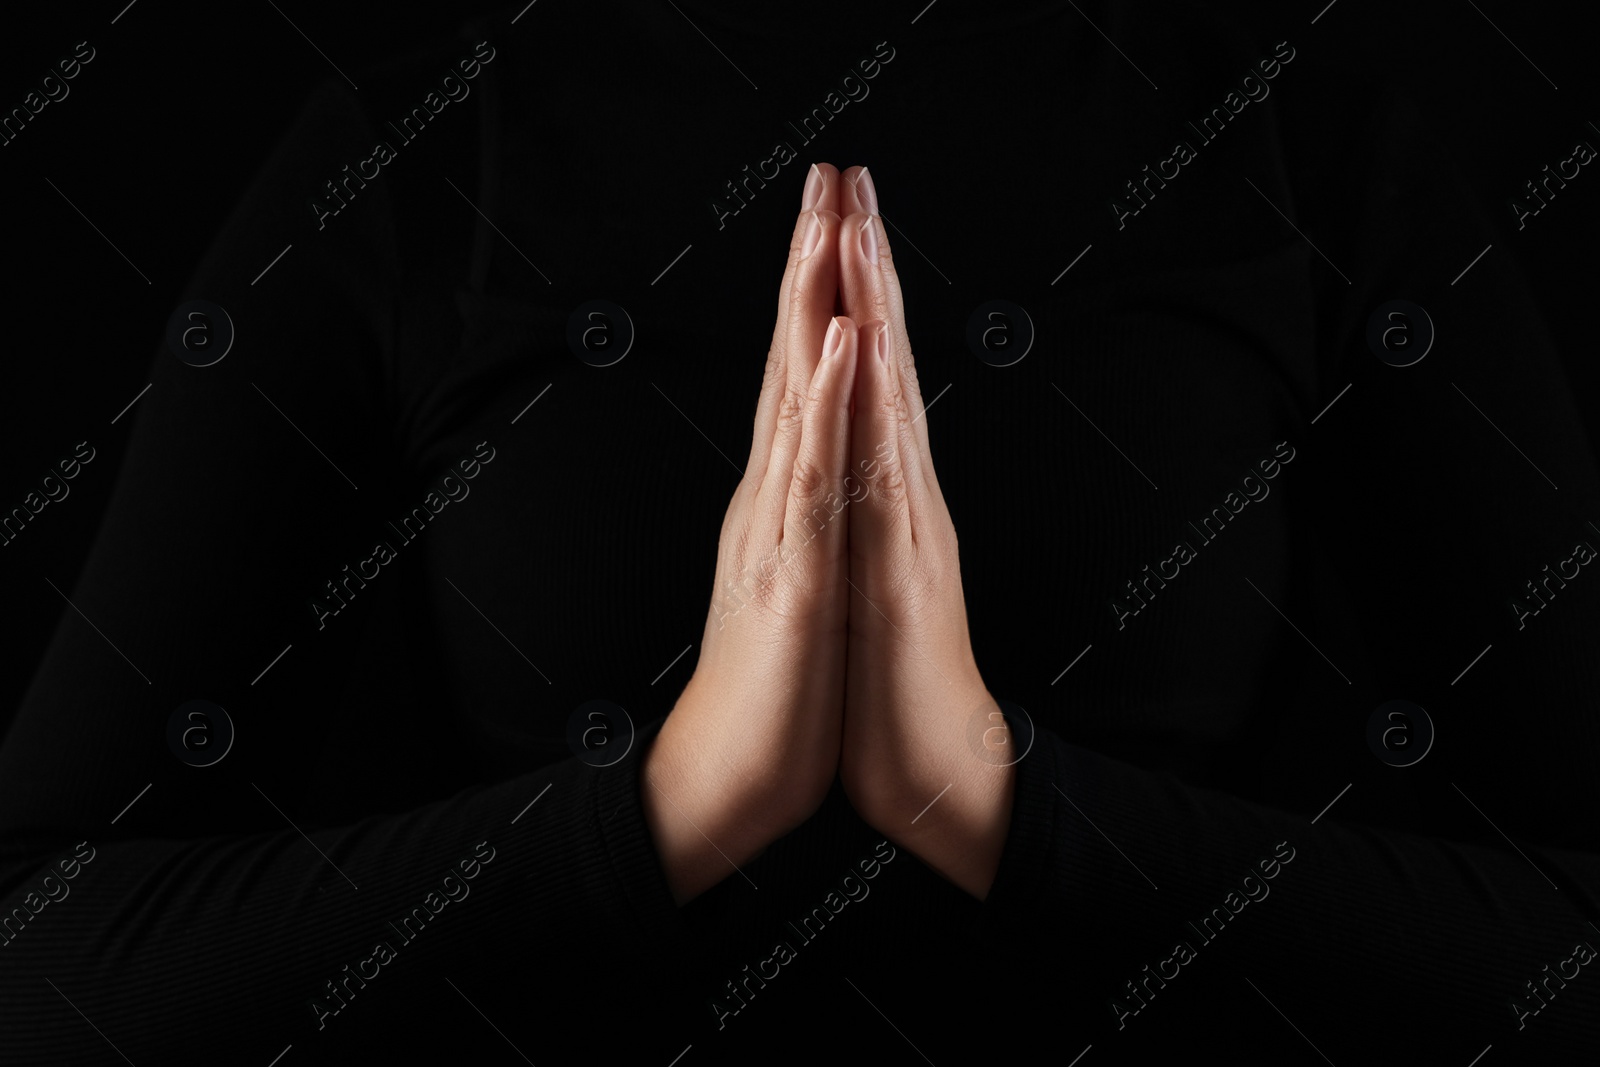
x=1318 y=905
x=150 y=929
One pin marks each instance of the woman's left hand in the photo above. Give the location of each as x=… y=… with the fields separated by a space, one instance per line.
x=913 y=694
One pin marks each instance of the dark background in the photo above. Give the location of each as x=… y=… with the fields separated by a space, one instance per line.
x=183 y=102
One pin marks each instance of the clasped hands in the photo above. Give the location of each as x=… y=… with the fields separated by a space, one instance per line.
x=836 y=642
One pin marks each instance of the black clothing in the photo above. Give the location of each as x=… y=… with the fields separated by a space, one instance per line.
x=1193 y=744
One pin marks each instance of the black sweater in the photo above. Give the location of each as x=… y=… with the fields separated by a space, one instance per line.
x=1198 y=578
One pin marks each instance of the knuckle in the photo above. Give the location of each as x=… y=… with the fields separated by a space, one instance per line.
x=890 y=484
x=892 y=405
x=885 y=252
x=772 y=377
x=807 y=484
x=791 y=411
x=908 y=370
x=805 y=304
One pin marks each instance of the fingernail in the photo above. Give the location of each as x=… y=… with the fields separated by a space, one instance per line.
x=812 y=196
x=813 y=235
x=880 y=341
x=868 y=194
x=834 y=341
x=869 y=240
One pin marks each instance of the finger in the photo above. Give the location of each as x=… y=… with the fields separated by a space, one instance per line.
x=821 y=193
x=813 y=290
x=869 y=289
x=856 y=192
x=889 y=495
x=813 y=535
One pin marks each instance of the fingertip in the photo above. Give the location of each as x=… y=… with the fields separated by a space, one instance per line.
x=872 y=341
x=856 y=192
x=866 y=192
x=811 y=195
x=834 y=378
x=855 y=222
x=821 y=191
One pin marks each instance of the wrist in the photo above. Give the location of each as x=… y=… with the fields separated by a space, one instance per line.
x=954 y=812
x=961 y=831
x=705 y=824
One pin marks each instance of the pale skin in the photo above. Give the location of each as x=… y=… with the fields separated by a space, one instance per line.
x=836 y=643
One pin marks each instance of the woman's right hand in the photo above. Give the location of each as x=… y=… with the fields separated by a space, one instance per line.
x=752 y=746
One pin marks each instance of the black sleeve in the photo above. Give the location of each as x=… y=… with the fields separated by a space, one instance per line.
x=1436 y=909
x=170 y=913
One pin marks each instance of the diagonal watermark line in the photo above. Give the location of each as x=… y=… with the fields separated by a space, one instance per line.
x=674 y=662
x=855 y=183
x=1332 y=802
x=1324 y=11
x=932 y=802
x=702 y=833
x=280 y=1055
x=1102 y=833
x=1113 y=44
x=1332 y=402
x=1296 y=229
x=97 y=630
x=524 y=11
x=917 y=250
x=271 y=665
x=497 y=229
x=713 y=44
x=888 y=1020
x=313 y=44
x=532 y=402
x=1080 y=1056
x=131 y=803
x=1474 y=263
x=1102 y=433
x=1502 y=833
x=97 y=229
x=88 y=1020
x=302 y=433
x=674 y=263
x=499 y=631
x=132 y=402
x=1502 y=433
x=1513 y=44
x=490 y=1021
x=531 y=803
x=1074 y=263
x=1289 y=1021
x=924 y=11
x=1479 y=1056
x=1074 y=663
x=121 y=13
x=680 y=1055
x=1469 y=666
x=925 y=407
x=1297 y=630
x=274 y=263
x=302 y=833
x=698 y=430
